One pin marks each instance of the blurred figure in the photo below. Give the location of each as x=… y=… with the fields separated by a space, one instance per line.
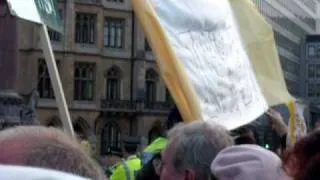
x=279 y=126
x=151 y=156
x=191 y=149
x=244 y=140
x=159 y=143
x=302 y=162
x=43 y=147
x=247 y=162
x=245 y=135
x=317 y=125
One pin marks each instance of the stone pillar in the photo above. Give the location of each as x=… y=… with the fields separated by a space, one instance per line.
x=69 y=25
x=139 y=80
x=8 y=48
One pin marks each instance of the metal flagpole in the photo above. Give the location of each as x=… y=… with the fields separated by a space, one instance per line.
x=56 y=82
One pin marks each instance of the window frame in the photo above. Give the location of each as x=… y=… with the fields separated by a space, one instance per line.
x=87 y=34
x=151 y=80
x=113 y=84
x=45 y=76
x=110 y=138
x=117 y=24
x=81 y=82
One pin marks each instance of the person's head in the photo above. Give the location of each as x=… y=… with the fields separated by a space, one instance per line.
x=191 y=149
x=43 y=147
x=130 y=149
x=158 y=130
x=245 y=135
x=130 y=145
x=32 y=173
x=247 y=162
x=302 y=162
x=173 y=118
x=244 y=139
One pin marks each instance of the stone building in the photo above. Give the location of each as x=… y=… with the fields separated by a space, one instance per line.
x=292 y=21
x=107 y=69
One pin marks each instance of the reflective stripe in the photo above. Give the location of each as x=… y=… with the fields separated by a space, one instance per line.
x=126 y=169
x=157 y=145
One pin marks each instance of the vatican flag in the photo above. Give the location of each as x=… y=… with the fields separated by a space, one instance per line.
x=297 y=125
x=258 y=38
x=211 y=55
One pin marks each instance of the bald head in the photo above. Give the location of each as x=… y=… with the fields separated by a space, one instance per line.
x=47 y=148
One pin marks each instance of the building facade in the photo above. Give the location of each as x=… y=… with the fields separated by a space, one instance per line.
x=109 y=75
x=312 y=76
x=291 y=21
x=107 y=69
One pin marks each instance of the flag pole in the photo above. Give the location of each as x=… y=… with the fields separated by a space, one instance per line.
x=56 y=82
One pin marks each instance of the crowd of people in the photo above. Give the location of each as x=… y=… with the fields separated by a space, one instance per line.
x=194 y=151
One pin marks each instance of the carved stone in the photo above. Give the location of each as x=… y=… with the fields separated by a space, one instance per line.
x=15 y=110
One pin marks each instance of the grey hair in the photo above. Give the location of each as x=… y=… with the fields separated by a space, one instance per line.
x=49 y=148
x=196 y=145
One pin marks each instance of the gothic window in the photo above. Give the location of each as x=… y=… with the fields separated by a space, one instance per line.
x=84 y=77
x=85 y=28
x=151 y=86
x=44 y=82
x=111 y=139
x=113 y=78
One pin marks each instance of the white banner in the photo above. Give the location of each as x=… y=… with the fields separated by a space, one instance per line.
x=207 y=53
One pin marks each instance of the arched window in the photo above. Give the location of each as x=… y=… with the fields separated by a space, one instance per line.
x=113 y=78
x=151 y=85
x=111 y=139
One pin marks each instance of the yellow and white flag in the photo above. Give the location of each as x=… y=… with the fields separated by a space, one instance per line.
x=297 y=125
x=211 y=66
x=258 y=38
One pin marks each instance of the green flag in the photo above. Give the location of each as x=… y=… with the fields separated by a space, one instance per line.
x=48 y=10
x=38 y=11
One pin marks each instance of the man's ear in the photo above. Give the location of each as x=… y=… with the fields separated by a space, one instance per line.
x=189 y=174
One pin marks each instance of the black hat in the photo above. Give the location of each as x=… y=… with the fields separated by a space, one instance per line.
x=131 y=140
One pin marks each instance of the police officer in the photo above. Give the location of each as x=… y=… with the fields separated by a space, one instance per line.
x=129 y=169
x=130 y=164
x=153 y=151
